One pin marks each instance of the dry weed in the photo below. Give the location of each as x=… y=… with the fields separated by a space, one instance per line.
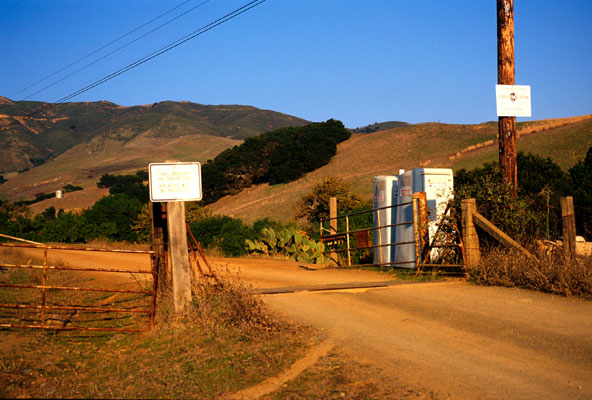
x=552 y=274
x=227 y=302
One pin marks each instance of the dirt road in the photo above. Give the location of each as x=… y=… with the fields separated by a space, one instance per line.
x=452 y=339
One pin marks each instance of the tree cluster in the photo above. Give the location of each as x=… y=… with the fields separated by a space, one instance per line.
x=535 y=210
x=130 y=185
x=110 y=218
x=280 y=156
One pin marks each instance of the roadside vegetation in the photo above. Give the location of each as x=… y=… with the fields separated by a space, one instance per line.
x=227 y=341
x=533 y=218
x=123 y=216
x=549 y=273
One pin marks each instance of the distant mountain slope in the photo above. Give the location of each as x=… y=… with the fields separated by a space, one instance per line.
x=430 y=145
x=29 y=142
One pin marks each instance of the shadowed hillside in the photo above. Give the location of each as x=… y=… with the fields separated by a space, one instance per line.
x=27 y=142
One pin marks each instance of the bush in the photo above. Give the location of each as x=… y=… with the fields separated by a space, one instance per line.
x=315 y=205
x=552 y=274
x=130 y=185
x=65 y=228
x=71 y=188
x=581 y=179
x=224 y=233
x=112 y=218
x=287 y=243
x=535 y=210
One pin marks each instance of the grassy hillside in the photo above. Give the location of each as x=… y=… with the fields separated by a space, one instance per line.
x=424 y=145
x=564 y=140
x=29 y=142
x=84 y=164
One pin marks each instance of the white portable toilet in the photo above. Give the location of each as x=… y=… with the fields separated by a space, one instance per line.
x=438 y=185
x=403 y=255
x=383 y=188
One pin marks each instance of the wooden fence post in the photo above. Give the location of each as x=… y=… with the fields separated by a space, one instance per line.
x=568 y=220
x=470 y=238
x=179 y=255
x=158 y=235
x=423 y=225
x=333 y=225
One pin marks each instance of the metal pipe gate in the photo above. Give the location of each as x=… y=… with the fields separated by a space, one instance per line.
x=421 y=240
x=44 y=306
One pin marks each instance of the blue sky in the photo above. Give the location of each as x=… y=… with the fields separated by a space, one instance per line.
x=359 y=61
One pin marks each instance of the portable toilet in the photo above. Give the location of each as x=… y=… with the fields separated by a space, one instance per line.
x=385 y=190
x=403 y=254
x=437 y=183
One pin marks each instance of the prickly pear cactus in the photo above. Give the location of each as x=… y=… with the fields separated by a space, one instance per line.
x=287 y=243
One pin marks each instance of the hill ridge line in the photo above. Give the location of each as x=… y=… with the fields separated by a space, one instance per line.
x=521 y=132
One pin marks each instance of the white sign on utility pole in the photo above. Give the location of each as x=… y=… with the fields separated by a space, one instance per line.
x=513 y=100
x=179 y=181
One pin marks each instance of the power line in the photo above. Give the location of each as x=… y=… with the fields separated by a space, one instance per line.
x=116 y=50
x=162 y=50
x=99 y=49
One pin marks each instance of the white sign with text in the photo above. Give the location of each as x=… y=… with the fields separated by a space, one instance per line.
x=513 y=100
x=180 y=181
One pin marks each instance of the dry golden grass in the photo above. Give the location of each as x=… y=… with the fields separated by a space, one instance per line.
x=550 y=273
x=431 y=145
x=83 y=165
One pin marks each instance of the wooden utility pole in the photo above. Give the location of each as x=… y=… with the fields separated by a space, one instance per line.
x=505 y=76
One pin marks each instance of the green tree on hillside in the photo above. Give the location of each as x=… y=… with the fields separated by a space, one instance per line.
x=275 y=157
x=112 y=217
x=581 y=179
x=315 y=205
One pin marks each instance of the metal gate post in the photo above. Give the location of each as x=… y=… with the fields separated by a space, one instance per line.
x=348 y=246
x=379 y=237
x=415 y=202
x=44 y=284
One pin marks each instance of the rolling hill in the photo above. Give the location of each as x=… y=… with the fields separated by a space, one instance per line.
x=430 y=145
x=166 y=131
x=27 y=142
x=76 y=143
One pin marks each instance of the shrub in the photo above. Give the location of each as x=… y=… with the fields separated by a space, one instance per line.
x=552 y=274
x=224 y=233
x=535 y=210
x=287 y=243
x=581 y=178
x=130 y=185
x=65 y=228
x=315 y=205
x=112 y=218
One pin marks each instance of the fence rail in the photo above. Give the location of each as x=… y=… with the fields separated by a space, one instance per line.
x=44 y=287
